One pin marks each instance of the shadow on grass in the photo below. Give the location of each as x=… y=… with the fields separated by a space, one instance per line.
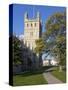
x=36 y=72
x=49 y=71
x=29 y=73
x=49 y=68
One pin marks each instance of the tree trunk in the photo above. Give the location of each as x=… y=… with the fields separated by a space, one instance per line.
x=60 y=68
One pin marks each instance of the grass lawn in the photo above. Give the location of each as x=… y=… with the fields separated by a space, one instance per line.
x=60 y=75
x=30 y=78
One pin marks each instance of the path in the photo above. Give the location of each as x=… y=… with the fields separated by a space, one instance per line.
x=50 y=78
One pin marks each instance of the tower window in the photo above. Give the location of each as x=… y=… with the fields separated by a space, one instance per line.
x=35 y=24
x=27 y=24
x=31 y=24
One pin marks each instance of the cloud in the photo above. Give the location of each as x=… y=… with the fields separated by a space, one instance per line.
x=21 y=37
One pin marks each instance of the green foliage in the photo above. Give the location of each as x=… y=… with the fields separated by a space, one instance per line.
x=55 y=36
x=17 y=51
x=39 y=46
x=60 y=75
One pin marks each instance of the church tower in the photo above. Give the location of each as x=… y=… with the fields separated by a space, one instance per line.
x=32 y=30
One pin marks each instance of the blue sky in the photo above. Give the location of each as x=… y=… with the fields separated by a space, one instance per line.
x=19 y=11
x=18 y=16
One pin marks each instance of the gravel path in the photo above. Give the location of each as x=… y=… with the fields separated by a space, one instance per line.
x=50 y=78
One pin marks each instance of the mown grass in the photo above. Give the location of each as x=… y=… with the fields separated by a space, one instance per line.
x=29 y=78
x=60 y=75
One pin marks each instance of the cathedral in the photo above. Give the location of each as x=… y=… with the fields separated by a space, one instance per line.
x=32 y=32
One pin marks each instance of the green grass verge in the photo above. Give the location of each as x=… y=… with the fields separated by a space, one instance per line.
x=60 y=75
x=30 y=78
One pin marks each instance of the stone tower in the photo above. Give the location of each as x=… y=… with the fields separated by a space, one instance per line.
x=32 y=30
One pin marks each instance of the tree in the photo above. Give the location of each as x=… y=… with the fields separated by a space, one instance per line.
x=55 y=37
x=38 y=50
x=39 y=46
x=16 y=50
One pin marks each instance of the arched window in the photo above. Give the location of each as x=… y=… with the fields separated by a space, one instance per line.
x=31 y=24
x=35 y=24
x=27 y=24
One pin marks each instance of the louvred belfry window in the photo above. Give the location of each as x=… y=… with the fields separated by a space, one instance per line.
x=31 y=24
x=35 y=24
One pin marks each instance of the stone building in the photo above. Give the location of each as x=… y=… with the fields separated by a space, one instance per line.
x=32 y=32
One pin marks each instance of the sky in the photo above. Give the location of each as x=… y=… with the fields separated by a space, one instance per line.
x=20 y=9
x=45 y=12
